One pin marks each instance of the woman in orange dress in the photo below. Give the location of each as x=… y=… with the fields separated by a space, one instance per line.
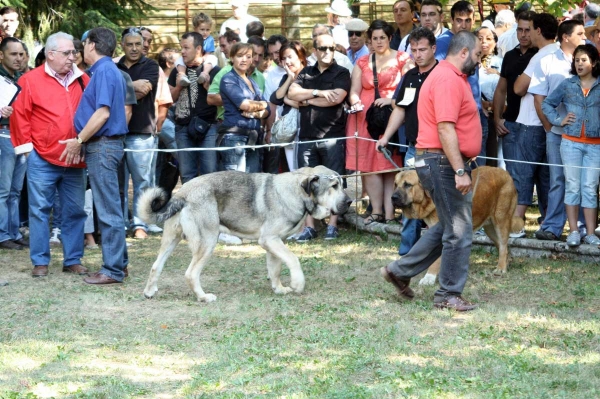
x=389 y=64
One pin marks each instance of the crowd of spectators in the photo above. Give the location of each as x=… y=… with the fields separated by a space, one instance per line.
x=87 y=121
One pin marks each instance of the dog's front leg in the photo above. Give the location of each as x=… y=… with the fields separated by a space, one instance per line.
x=277 y=253
x=274 y=273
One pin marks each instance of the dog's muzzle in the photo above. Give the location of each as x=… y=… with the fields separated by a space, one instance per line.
x=398 y=201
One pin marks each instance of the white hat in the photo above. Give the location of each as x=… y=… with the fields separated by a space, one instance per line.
x=357 y=25
x=339 y=7
x=239 y=3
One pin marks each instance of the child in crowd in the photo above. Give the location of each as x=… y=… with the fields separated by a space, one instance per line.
x=203 y=25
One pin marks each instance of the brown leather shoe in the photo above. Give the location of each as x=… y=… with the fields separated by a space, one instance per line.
x=99 y=278
x=454 y=302
x=76 y=269
x=126 y=272
x=24 y=242
x=401 y=285
x=140 y=234
x=39 y=271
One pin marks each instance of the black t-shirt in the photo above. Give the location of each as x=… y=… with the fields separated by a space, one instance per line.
x=323 y=122
x=513 y=65
x=412 y=79
x=194 y=94
x=143 y=115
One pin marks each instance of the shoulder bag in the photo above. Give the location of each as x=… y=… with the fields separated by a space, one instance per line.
x=377 y=117
x=285 y=128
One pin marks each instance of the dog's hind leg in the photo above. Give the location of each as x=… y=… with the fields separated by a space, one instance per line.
x=500 y=240
x=277 y=253
x=202 y=248
x=170 y=239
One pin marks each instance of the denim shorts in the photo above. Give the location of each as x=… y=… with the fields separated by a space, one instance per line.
x=581 y=185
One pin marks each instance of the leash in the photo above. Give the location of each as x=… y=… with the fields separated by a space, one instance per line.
x=388 y=155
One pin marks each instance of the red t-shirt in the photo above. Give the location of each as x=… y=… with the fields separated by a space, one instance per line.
x=447 y=97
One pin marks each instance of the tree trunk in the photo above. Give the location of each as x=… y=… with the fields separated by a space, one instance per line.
x=291 y=20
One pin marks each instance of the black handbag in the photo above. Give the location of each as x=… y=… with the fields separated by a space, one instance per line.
x=377 y=117
x=198 y=127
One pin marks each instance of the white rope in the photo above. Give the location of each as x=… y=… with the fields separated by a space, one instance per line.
x=277 y=145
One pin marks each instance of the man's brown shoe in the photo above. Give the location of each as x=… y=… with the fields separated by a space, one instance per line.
x=8 y=244
x=140 y=234
x=126 y=272
x=401 y=285
x=99 y=278
x=76 y=269
x=39 y=271
x=454 y=302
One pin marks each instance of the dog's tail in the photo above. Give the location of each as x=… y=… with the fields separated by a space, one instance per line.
x=516 y=224
x=155 y=205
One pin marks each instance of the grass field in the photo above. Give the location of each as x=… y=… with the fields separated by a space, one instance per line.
x=535 y=334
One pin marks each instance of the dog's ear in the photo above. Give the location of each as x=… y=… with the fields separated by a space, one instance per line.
x=310 y=184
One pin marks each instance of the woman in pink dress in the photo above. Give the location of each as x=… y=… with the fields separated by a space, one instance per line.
x=390 y=65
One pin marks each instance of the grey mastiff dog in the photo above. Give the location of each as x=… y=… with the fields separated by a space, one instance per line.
x=257 y=206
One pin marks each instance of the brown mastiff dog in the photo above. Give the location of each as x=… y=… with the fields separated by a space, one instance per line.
x=494 y=203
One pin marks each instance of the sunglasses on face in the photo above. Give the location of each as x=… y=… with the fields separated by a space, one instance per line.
x=325 y=48
x=354 y=33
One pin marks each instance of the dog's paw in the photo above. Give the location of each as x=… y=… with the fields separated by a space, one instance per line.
x=499 y=272
x=429 y=279
x=149 y=293
x=207 y=298
x=283 y=290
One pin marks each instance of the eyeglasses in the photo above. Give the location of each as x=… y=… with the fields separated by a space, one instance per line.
x=325 y=48
x=67 y=52
x=354 y=33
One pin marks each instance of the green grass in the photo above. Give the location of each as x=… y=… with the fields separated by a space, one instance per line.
x=535 y=335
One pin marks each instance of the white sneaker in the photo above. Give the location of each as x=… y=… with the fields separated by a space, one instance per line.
x=54 y=240
x=184 y=82
x=591 y=240
x=229 y=239
x=520 y=234
x=152 y=228
x=480 y=232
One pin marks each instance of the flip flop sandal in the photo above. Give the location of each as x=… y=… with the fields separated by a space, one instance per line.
x=374 y=218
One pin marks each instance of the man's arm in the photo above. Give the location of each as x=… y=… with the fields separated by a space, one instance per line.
x=142 y=87
x=128 y=113
x=522 y=84
x=449 y=140
x=499 y=101
x=538 y=99
x=72 y=152
x=325 y=98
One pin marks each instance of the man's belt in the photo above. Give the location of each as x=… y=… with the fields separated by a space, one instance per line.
x=439 y=151
x=98 y=138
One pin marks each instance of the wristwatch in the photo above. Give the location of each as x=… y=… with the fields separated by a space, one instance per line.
x=79 y=140
x=315 y=93
x=459 y=172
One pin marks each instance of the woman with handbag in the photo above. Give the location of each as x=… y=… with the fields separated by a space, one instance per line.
x=293 y=58
x=244 y=107
x=374 y=80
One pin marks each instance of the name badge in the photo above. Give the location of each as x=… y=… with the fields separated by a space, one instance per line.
x=409 y=96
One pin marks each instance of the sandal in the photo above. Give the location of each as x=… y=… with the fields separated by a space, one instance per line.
x=374 y=218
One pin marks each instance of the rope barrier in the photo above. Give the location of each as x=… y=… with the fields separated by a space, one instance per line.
x=355 y=137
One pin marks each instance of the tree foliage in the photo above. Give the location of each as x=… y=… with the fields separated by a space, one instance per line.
x=40 y=18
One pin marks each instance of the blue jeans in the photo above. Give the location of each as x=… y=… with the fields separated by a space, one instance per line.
x=484 y=136
x=43 y=179
x=103 y=158
x=556 y=214
x=581 y=185
x=12 y=173
x=242 y=159
x=196 y=163
x=139 y=164
x=510 y=148
x=532 y=148
x=451 y=237
x=411 y=228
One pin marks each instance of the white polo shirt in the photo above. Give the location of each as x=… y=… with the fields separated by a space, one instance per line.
x=527 y=115
x=548 y=74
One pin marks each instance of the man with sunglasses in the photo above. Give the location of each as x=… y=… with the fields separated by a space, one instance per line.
x=101 y=123
x=321 y=90
x=356 y=36
x=41 y=123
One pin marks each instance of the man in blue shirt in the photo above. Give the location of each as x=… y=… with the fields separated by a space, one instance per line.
x=356 y=36
x=101 y=123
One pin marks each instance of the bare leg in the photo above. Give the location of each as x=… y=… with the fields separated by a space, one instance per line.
x=388 y=191
x=572 y=216
x=590 y=219
x=374 y=186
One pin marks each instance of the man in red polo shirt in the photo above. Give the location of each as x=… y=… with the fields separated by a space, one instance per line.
x=449 y=134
